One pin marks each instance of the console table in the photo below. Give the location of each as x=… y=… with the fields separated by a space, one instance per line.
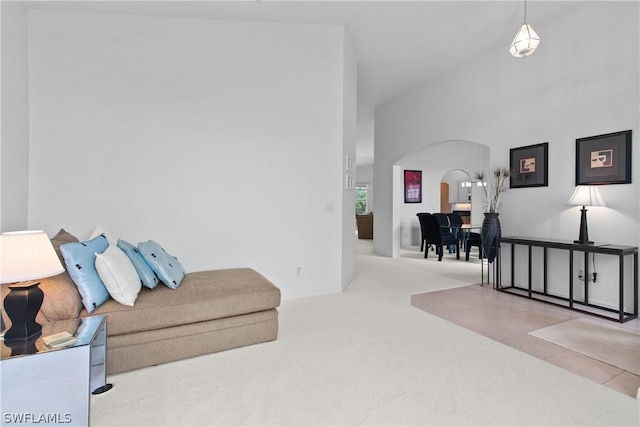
x=585 y=306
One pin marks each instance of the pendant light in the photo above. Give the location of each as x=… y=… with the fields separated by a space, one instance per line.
x=526 y=40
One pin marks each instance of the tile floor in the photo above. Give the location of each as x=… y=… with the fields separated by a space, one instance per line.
x=507 y=318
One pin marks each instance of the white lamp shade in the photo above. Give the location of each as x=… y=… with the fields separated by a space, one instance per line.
x=525 y=42
x=586 y=195
x=27 y=255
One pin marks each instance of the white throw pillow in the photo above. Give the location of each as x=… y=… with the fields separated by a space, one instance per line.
x=100 y=230
x=118 y=275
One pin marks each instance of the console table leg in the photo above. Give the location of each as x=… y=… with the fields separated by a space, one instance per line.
x=621 y=288
x=570 y=279
x=529 y=274
x=635 y=284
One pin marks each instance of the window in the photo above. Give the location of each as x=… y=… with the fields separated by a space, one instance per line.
x=361 y=200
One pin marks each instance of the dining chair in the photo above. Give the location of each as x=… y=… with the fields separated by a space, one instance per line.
x=443 y=220
x=423 y=231
x=436 y=235
x=469 y=238
x=473 y=239
x=455 y=220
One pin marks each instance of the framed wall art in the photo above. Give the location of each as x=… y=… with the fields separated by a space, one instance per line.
x=412 y=186
x=604 y=159
x=529 y=166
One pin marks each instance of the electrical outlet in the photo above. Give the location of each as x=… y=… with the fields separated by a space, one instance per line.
x=593 y=278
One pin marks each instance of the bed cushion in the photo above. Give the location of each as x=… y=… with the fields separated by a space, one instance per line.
x=202 y=296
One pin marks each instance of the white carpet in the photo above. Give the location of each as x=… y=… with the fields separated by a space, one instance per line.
x=607 y=342
x=366 y=357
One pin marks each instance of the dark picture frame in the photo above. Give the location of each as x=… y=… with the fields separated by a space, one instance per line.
x=412 y=186
x=604 y=159
x=529 y=166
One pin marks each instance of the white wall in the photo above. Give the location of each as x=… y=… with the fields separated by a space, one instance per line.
x=14 y=136
x=223 y=141
x=364 y=175
x=350 y=103
x=583 y=80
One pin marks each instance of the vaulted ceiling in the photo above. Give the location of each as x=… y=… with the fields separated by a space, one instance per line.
x=398 y=44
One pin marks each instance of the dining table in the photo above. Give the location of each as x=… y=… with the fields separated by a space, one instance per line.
x=463 y=231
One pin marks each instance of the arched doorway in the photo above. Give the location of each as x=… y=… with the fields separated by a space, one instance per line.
x=455 y=191
x=460 y=192
x=451 y=161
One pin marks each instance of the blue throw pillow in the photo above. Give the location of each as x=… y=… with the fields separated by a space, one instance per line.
x=146 y=274
x=80 y=259
x=166 y=267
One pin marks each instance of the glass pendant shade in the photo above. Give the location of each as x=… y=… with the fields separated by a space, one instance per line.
x=525 y=42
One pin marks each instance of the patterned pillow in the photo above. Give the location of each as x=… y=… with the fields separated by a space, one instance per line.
x=166 y=267
x=80 y=259
x=146 y=274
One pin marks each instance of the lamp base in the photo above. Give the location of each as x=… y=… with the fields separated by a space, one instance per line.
x=588 y=242
x=583 y=239
x=22 y=305
x=19 y=347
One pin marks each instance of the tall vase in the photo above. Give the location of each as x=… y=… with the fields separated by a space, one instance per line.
x=490 y=232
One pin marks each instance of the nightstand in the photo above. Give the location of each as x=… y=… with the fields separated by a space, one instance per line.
x=43 y=386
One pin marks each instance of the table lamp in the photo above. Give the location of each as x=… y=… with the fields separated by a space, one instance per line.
x=585 y=195
x=24 y=257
